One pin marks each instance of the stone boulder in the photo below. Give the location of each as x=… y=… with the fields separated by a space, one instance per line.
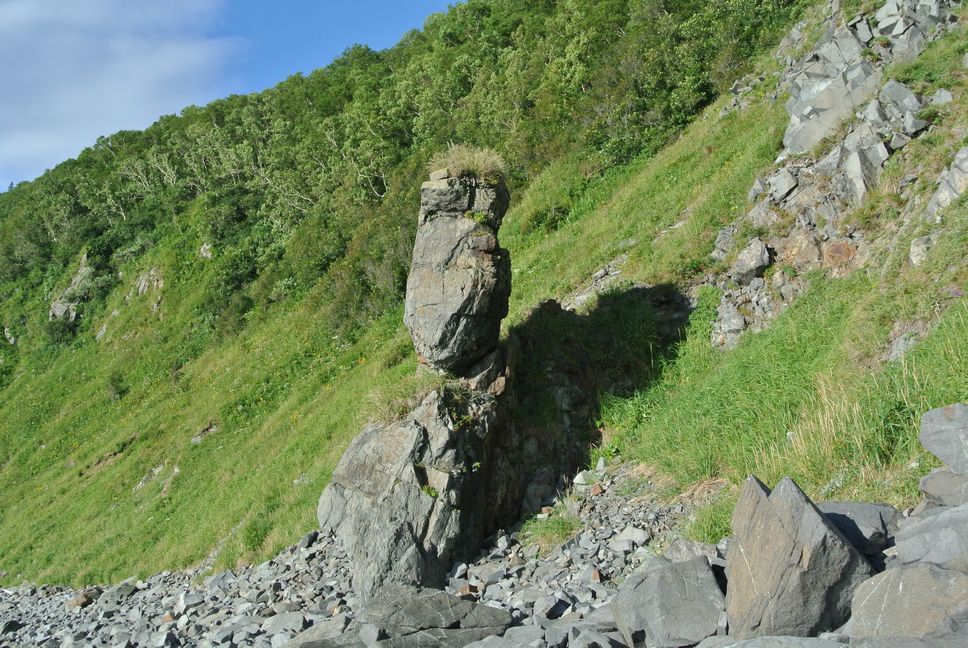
x=750 y=262
x=868 y=527
x=668 y=605
x=942 y=487
x=405 y=617
x=909 y=601
x=460 y=279
x=944 y=433
x=409 y=498
x=790 y=571
x=936 y=536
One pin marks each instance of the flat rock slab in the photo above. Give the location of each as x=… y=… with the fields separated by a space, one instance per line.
x=669 y=605
x=790 y=571
x=944 y=433
x=935 y=537
x=908 y=601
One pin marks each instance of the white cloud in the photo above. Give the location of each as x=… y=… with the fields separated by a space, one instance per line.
x=72 y=70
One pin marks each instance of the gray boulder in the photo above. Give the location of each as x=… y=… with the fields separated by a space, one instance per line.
x=750 y=262
x=944 y=433
x=668 y=605
x=790 y=571
x=868 y=527
x=410 y=617
x=460 y=279
x=945 y=488
x=908 y=601
x=409 y=498
x=769 y=642
x=937 y=536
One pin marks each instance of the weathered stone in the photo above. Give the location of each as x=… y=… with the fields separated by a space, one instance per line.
x=729 y=324
x=769 y=642
x=724 y=243
x=460 y=279
x=944 y=433
x=945 y=488
x=750 y=262
x=934 y=538
x=908 y=601
x=668 y=604
x=781 y=184
x=790 y=571
x=920 y=247
x=409 y=498
x=413 y=617
x=953 y=183
x=868 y=527
x=65 y=306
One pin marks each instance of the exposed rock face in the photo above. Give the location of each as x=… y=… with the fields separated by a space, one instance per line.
x=409 y=498
x=669 y=604
x=65 y=306
x=460 y=279
x=790 y=571
x=836 y=78
x=910 y=601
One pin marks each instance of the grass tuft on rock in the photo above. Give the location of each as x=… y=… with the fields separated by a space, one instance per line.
x=463 y=160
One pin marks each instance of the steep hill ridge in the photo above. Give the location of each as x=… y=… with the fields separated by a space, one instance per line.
x=654 y=220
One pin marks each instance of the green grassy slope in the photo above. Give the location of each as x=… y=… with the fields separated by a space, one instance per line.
x=82 y=426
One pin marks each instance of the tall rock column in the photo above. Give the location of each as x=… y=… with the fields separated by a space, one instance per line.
x=410 y=497
x=460 y=279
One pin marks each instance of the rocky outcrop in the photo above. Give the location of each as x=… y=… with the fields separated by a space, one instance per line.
x=409 y=498
x=838 y=76
x=66 y=305
x=460 y=279
x=839 y=82
x=790 y=571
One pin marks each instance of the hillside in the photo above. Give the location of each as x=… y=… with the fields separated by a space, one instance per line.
x=231 y=280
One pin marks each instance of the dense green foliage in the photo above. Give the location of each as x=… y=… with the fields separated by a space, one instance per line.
x=315 y=179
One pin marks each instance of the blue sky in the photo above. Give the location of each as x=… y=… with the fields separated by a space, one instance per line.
x=77 y=69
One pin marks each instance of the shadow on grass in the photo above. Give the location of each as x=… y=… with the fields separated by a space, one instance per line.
x=566 y=363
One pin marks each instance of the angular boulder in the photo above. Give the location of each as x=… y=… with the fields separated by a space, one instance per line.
x=943 y=487
x=409 y=498
x=460 y=279
x=409 y=617
x=669 y=605
x=868 y=527
x=909 y=601
x=936 y=536
x=750 y=262
x=944 y=433
x=790 y=571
